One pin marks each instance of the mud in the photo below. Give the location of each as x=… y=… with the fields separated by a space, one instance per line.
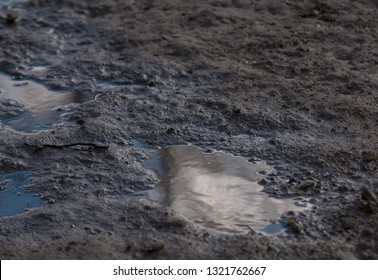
x=292 y=83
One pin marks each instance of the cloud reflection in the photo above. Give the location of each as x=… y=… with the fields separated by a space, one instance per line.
x=217 y=190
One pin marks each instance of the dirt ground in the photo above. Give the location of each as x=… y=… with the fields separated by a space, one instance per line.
x=294 y=83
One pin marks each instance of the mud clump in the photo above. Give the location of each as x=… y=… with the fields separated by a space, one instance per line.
x=290 y=83
x=11 y=17
x=155 y=246
x=369 y=201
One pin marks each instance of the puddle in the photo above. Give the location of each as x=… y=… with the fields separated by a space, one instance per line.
x=43 y=107
x=129 y=89
x=13 y=198
x=217 y=190
x=11 y=1
x=119 y=86
x=38 y=68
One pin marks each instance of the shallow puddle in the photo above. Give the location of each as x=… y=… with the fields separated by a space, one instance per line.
x=13 y=198
x=43 y=107
x=119 y=86
x=11 y=1
x=217 y=190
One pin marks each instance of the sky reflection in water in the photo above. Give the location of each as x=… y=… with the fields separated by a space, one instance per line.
x=216 y=190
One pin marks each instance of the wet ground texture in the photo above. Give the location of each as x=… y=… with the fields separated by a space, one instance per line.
x=290 y=83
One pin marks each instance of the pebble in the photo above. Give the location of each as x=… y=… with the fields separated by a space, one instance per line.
x=12 y=17
x=20 y=84
x=293 y=225
x=151 y=83
x=172 y=130
x=369 y=156
x=50 y=200
x=369 y=200
x=306 y=185
x=237 y=111
x=157 y=245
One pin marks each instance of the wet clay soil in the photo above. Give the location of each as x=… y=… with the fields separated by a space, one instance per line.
x=292 y=83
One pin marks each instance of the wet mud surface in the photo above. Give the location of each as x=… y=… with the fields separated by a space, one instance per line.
x=290 y=83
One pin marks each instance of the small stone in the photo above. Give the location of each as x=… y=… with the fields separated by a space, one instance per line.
x=237 y=111
x=20 y=84
x=263 y=182
x=369 y=201
x=369 y=156
x=306 y=185
x=12 y=17
x=157 y=245
x=367 y=194
x=50 y=200
x=229 y=130
x=291 y=213
x=293 y=225
x=151 y=83
x=172 y=130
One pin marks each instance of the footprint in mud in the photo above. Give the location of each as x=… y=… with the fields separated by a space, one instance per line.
x=217 y=190
x=30 y=107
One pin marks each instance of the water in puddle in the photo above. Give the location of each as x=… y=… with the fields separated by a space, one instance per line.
x=13 y=198
x=119 y=86
x=38 y=68
x=10 y=1
x=217 y=190
x=43 y=106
